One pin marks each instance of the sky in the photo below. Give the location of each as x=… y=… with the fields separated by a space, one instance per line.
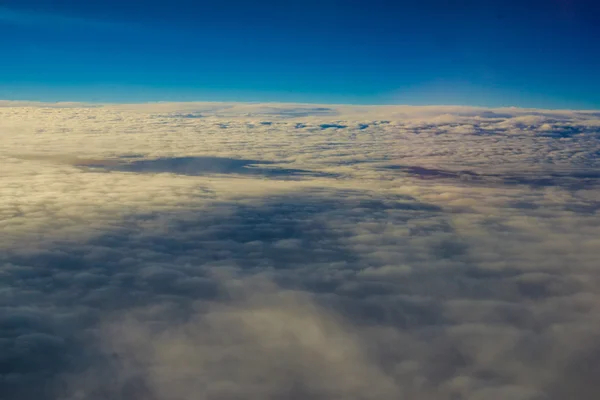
x=494 y=53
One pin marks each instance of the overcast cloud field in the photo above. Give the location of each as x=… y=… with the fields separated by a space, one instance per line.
x=221 y=251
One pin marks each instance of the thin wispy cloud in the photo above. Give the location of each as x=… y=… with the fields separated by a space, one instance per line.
x=47 y=20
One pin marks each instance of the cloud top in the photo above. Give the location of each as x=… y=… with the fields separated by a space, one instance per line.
x=267 y=251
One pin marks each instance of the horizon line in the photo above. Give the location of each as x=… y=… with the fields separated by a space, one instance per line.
x=25 y=103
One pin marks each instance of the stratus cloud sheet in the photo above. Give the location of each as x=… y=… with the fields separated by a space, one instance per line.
x=274 y=251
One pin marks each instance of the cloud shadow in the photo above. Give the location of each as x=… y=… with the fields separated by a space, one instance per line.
x=300 y=240
x=202 y=166
x=372 y=260
x=571 y=180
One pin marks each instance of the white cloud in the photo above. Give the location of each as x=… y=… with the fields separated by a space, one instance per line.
x=185 y=251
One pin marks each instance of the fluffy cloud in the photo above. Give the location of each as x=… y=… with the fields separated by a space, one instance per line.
x=212 y=251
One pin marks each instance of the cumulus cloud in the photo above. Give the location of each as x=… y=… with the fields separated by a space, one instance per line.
x=225 y=251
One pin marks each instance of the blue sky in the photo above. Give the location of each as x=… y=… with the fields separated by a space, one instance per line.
x=491 y=53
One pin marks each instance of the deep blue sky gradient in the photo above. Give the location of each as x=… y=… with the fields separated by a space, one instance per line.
x=494 y=53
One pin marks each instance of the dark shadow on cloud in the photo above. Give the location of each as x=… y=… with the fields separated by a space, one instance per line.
x=430 y=173
x=589 y=208
x=193 y=115
x=569 y=180
x=564 y=132
x=572 y=180
x=290 y=232
x=335 y=244
x=332 y=126
x=297 y=112
x=202 y=166
x=492 y=114
x=69 y=289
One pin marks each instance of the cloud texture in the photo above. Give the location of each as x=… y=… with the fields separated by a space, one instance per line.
x=249 y=251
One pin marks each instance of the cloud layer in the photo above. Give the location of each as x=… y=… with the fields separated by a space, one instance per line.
x=229 y=251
